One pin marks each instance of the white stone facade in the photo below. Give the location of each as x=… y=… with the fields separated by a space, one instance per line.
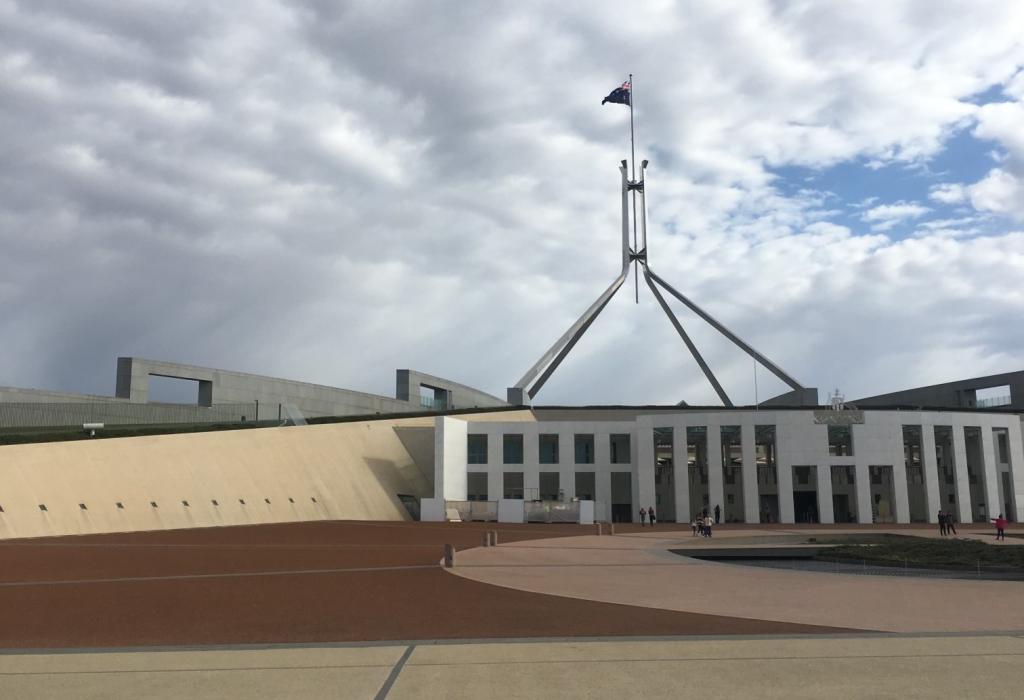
x=902 y=466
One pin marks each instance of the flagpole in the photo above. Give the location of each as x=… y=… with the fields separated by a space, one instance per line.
x=632 y=170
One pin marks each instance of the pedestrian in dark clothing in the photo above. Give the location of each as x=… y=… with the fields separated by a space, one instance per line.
x=651 y=516
x=643 y=517
x=942 y=524
x=718 y=514
x=1000 y=527
x=950 y=524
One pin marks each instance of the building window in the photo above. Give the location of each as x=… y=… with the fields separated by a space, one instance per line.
x=476 y=486
x=584 y=449
x=619 y=443
x=512 y=484
x=585 y=485
x=512 y=449
x=476 y=449
x=840 y=440
x=548 y=446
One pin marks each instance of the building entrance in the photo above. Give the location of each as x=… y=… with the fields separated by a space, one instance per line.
x=805 y=494
x=622 y=497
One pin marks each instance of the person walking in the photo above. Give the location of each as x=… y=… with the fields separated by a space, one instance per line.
x=643 y=517
x=718 y=514
x=707 y=526
x=1000 y=527
x=950 y=524
x=651 y=516
x=693 y=527
x=942 y=524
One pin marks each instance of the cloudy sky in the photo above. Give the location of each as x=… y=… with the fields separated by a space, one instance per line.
x=326 y=190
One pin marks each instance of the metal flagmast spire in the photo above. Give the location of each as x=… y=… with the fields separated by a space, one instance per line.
x=632 y=177
x=633 y=184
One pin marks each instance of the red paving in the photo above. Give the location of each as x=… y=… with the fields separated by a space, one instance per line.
x=397 y=604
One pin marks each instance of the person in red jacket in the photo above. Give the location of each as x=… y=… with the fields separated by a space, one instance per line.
x=1000 y=527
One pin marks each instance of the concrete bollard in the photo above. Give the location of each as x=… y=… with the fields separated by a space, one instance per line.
x=487 y=539
x=611 y=528
x=597 y=526
x=449 y=556
x=493 y=535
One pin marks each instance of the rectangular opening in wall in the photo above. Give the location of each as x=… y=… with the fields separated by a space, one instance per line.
x=547 y=445
x=767 y=473
x=476 y=448
x=805 y=494
x=619 y=448
x=883 y=493
x=584 y=448
x=844 y=493
x=549 y=486
x=173 y=390
x=512 y=448
x=622 y=497
x=840 y=440
x=476 y=486
x=992 y=396
x=664 y=474
x=585 y=486
x=512 y=484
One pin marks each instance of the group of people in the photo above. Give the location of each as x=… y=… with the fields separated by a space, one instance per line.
x=946 y=524
x=648 y=514
x=702 y=524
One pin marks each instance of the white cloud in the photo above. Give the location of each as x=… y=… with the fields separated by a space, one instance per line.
x=1000 y=192
x=885 y=216
x=948 y=193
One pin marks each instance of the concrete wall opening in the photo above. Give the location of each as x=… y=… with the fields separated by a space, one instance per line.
x=664 y=475
x=697 y=469
x=586 y=486
x=619 y=449
x=622 y=497
x=913 y=457
x=805 y=493
x=732 y=474
x=476 y=486
x=844 y=493
x=883 y=493
x=583 y=447
x=767 y=473
x=946 y=464
x=173 y=390
x=1007 y=495
x=512 y=485
x=992 y=396
x=840 y=440
x=547 y=446
x=476 y=448
x=549 y=486
x=976 y=474
x=512 y=448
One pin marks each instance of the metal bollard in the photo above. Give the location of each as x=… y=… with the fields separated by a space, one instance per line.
x=449 y=556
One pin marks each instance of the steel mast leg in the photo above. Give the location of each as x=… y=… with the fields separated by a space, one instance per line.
x=689 y=343
x=527 y=387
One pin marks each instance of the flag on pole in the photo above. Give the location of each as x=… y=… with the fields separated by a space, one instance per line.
x=620 y=95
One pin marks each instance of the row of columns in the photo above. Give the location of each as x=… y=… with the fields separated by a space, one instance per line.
x=893 y=447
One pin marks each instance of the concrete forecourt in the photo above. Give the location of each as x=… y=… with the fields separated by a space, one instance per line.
x=552 y=611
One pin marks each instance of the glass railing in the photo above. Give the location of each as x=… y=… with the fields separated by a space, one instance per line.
x=992 y=402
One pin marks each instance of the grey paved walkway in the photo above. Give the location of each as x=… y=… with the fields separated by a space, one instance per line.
x=864 y=667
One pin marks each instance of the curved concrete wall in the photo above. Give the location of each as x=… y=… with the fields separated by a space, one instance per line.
x=354 y=471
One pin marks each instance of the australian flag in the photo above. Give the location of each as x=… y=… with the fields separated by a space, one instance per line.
x=619 y=95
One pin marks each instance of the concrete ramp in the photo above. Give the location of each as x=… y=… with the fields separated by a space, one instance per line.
x=344 y=471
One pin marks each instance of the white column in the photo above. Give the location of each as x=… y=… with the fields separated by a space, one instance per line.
x=603 y=488
x=825 y=506
x=716 y=486
x=993 y=506
x=495 y=485
x=450 y=457
x=643 y=466
x=681 y=475
x=899 y=475
x=963 y=483
x=863 y=483
x=531 y=463
x=931 y=472
x=1016 y=468
x=566 y=464
x=751 y=500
